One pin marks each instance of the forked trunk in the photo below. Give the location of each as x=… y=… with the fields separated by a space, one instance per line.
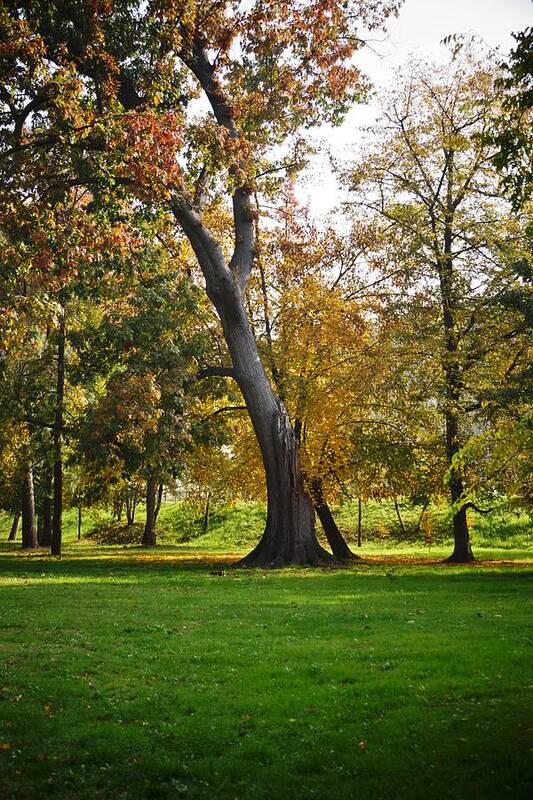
x=335 y=538
x=289 y=536
x=131 y=506
x=14 y=528
x=29 y=533
x=149 y=538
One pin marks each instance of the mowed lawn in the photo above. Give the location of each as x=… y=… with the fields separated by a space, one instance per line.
x=129 y=675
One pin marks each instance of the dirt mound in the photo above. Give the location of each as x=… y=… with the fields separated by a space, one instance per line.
x=116 y=533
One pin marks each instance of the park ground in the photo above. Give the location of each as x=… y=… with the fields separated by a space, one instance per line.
x=128 y=674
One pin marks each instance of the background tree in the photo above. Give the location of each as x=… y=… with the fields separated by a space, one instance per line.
x=444 y=243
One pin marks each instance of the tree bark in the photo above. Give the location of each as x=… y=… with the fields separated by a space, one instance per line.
x=289 y=536
x=159 y=500
x=420 y=518
x=149 y=536
x=14 y=528
x=45 y=535
x=335 y=538
x=462 y=552
x=205 y=524
x=57 y=516
x=359 y=522
x=29 y=535
x=131 y=506
x=400 y=520
x=79 y=523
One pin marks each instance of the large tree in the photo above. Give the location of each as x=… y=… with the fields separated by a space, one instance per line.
x=445 y=245
x=267 y=69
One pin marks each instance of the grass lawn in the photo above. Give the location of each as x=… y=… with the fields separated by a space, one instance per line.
x=128 y=675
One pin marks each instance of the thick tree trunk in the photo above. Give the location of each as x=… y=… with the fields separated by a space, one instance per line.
x=29 y=535
x=462 y=551
x=57 y=516
x=289 y=536
x=333 y=535
x=359 y=522
x=149 y=537
x=14 y=528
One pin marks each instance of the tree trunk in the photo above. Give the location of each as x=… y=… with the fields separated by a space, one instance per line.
x=205 y=524
x=462 y=551
x=333 y=535
x=44 y=536
x=359 y=522
x=400 y=520
x=131 y=507
x=289 y=535
x=29 y=537
x=14 y=528
x=453 y=373
x=57 y=517
x=420 y=518
x=79 y=523
x=159 y=500
x=149 y=538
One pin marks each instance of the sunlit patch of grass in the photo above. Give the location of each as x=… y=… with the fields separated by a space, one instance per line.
x=166 y=674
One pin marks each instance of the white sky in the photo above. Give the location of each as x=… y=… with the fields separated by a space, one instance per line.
x=419 y=29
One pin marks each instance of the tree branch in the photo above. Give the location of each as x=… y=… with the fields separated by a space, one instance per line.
x=472 y=505
x=216 y=372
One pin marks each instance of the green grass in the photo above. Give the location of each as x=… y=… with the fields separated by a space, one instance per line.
x=240 y=524
x=129 y=675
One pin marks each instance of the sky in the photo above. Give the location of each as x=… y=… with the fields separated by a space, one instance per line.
x=418 y=31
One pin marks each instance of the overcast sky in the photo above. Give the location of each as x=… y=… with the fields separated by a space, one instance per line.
x=419 y=29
